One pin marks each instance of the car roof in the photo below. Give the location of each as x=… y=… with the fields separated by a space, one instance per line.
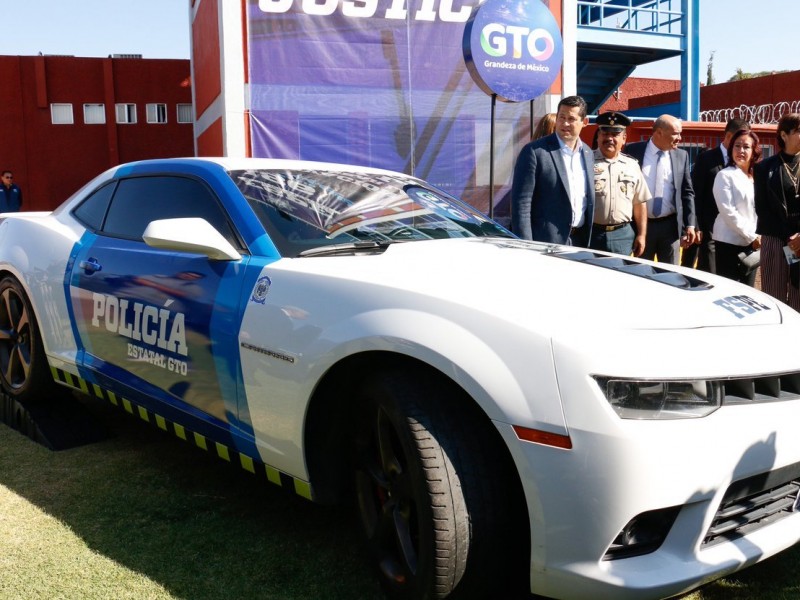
x=207 y=165
x=230 y=163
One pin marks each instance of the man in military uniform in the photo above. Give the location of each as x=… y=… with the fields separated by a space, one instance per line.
x=621 y=195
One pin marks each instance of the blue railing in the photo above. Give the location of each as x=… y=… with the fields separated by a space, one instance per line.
x=653 y=16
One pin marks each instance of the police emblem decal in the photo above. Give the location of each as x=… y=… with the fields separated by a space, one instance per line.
x=261 y=289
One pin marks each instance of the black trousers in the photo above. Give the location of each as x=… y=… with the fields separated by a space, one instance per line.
x=703 y=254
x=707 y=256
x=662 y=240
x=579 y=236
x=728 y=264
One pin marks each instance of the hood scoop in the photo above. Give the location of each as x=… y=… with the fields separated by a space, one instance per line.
x=624 y=265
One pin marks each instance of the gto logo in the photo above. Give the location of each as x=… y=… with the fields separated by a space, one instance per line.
x=513 y=48
x=495 y=39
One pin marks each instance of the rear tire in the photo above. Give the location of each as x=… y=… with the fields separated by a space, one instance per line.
x=433 y=495
x=24 y=372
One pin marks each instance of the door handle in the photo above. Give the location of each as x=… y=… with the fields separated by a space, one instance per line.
x=91 y=265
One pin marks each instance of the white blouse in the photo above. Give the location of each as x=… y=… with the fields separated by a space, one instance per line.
x=735 y=198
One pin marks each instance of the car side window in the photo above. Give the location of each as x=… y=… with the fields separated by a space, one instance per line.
x=92 y=211
x=140 y=200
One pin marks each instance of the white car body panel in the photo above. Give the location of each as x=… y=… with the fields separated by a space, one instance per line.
x=40 y=268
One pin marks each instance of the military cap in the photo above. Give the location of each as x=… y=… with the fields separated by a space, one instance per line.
x=612 y=121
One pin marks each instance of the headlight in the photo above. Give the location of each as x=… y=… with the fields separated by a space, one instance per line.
x=640 y=399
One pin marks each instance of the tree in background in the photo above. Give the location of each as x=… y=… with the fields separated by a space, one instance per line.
x=740 y=75
x=710 y=70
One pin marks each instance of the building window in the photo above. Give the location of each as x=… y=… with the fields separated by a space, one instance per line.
x=126 y=113
x=94 y=114
x=156 y=113
x=61 y=114
x=185 y=114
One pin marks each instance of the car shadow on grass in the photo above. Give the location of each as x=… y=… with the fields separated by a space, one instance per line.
x=773 y=579
x=188 y=521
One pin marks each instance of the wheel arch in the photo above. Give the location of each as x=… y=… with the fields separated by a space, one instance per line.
x=49 y=322
x=325 y=435
x=40 y=270
x=25 y=366
x=5 y=271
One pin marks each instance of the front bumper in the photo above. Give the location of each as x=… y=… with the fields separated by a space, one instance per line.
x=580 y=499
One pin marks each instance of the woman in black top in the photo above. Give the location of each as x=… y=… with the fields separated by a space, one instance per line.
x=777 y=199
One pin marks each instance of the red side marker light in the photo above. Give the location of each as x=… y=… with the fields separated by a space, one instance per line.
x=543 y=437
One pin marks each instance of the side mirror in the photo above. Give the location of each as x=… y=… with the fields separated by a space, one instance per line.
x=189 y=235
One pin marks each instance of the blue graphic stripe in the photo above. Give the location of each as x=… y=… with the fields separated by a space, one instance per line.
x=230 y=366
x=71 y=276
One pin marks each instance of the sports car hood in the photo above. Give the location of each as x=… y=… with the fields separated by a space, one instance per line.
x=548 y=287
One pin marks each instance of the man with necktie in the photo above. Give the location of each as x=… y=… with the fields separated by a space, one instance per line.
x=671 y=221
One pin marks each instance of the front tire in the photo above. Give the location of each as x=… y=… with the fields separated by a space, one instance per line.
x=24 y=373
x=434 y=497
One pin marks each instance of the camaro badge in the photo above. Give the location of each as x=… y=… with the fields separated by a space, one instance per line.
x=260 y=290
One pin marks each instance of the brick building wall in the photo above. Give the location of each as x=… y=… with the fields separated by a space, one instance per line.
x=52 y=160
x=766 y=90
x=635 y=88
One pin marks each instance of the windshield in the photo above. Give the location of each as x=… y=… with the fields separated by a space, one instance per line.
x=309 y=209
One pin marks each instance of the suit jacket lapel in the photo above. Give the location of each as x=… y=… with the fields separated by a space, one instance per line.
x=676 y=177
x=677 y=183
x=558 y=161
x=588 y=166
x=776 y=183
x=720 y=162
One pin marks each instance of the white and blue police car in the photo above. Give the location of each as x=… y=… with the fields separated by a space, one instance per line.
x=589 y=424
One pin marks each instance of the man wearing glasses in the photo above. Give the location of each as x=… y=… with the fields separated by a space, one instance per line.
x=11 y=198
x=621 y=195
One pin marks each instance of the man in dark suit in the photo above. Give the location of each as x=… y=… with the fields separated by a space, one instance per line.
x=671 y=221
x=552 y=195
x=706 y=166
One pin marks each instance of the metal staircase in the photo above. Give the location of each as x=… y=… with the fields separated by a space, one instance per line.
x=616 y=36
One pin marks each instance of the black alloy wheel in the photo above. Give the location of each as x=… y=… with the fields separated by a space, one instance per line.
x=434 y=518
x=24 y=373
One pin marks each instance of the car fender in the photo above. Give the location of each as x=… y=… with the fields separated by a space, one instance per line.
x=42 y=277
x=481 y=365
x=486 y=369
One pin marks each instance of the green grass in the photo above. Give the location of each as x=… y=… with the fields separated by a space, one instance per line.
x=144 y=516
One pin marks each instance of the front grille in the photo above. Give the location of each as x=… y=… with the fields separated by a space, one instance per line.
x=766 y=388
x=754 y=502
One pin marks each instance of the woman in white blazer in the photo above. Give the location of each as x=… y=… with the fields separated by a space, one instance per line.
x=734 y=229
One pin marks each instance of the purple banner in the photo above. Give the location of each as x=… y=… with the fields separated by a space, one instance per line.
x=377 y=83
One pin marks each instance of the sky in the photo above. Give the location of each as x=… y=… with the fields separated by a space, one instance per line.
x=98 y=28
x=754 y=36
